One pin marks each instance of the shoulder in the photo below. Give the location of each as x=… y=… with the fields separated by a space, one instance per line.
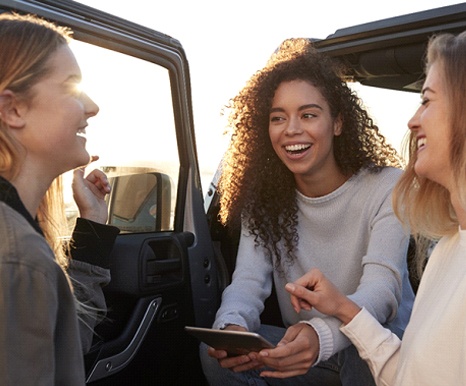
x=389 y=172
x=383 y=179
x=22 y=245
x=373 y=188
x=386 y=173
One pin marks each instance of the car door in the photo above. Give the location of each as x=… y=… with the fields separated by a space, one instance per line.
x=164 y=273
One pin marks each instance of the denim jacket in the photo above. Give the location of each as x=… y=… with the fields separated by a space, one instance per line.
x=41 y=339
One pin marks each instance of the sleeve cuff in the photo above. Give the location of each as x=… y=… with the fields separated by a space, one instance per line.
x=325 y=338
x=92 y=242
x=366 y=333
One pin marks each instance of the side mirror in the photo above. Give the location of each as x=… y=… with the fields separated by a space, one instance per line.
x=140 y=202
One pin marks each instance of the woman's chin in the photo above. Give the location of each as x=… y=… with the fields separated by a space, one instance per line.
x=84 y=160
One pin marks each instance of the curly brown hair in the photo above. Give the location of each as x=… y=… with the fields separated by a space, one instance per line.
x=255 y=186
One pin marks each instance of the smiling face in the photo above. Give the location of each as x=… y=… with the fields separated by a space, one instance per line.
x=432 y=130
x=301 y=130
x=56 y=117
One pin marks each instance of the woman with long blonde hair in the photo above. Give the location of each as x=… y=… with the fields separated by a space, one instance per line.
x=49 y=289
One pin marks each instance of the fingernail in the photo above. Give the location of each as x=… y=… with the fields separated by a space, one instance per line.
x=290 y=286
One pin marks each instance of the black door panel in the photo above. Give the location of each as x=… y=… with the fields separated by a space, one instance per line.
x=149 y=302
x=145 y=264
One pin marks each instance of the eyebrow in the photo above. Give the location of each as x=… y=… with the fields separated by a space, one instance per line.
x=424 y=90
x=301 y=108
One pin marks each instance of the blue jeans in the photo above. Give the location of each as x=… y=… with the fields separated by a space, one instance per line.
x=345 y=368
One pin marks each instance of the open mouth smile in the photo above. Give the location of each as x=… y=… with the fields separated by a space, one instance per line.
x=81 y=133
x=297 y=149
x=421 y=143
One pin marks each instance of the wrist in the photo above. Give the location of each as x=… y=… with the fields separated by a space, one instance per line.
x=348 y=311
x=94 y=216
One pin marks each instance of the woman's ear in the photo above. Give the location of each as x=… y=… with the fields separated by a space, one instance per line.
x=11 y=110
x=337 y=126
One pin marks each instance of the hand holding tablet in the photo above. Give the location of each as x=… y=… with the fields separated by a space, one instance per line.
x=233 y=342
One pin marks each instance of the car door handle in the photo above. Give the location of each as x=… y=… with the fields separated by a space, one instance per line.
x=159 y=267
x=127 y=345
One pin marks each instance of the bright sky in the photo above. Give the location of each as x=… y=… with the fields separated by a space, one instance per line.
x=226 y=42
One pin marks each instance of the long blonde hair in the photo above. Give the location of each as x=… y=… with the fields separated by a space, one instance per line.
x=424 y=205
x=26 y=44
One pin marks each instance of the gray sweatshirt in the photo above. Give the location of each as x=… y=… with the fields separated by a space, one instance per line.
x=354 y=238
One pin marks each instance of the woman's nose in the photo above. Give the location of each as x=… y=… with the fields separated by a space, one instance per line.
x=90 y=106
x=413 y=123
x=293 y=127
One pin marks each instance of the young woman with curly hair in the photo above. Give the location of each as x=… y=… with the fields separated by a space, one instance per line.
x=431 y=198
x=308 y=177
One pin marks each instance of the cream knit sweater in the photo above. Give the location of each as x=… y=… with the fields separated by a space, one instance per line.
x=434 y=345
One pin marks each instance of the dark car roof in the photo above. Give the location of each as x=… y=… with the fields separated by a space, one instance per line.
x=389 y=53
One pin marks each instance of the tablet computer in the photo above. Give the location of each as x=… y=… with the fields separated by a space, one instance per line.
x=233 y=342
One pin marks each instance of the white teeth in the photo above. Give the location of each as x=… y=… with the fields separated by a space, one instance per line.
x=421 y=142
x=297 y=147
x=81 y=133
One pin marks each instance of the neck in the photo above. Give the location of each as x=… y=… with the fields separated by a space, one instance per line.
x=318 y=187
x=31 y=190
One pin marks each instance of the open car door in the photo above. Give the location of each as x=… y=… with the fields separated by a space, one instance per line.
x=163 y=268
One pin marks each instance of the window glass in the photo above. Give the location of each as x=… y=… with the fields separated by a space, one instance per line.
x=133 y=135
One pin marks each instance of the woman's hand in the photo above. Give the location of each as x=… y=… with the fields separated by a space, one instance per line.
x=89 y=194
x=315 y=290
x=294 y=355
